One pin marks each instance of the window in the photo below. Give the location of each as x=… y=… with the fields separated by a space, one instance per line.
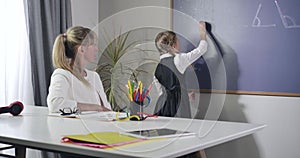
x=15 y=65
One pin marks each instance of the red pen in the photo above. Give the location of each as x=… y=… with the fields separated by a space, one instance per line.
x=148 y=90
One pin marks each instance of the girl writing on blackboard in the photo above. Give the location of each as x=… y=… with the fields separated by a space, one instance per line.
x=169 y=74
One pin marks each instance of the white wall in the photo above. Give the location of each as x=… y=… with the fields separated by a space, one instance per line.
x=85 y=12
x=279 y=139
x=109 y=7
x=90 y=12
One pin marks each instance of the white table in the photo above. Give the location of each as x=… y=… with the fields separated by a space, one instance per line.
x=35 y=129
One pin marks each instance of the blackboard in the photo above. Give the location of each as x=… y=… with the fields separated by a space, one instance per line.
x=259 y=42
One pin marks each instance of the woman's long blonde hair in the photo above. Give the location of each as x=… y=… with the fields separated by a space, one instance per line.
x=66 y=46
x=165 y=41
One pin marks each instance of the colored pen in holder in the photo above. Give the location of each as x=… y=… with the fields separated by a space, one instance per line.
x=138 y=96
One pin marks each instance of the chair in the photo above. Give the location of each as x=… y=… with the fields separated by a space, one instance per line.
x=20 y=152
x=6 y=147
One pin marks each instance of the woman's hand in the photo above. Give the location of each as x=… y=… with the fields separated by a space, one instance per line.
x=103 y=108
x=91 y=107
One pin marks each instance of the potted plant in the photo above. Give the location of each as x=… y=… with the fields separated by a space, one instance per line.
x=125 y=59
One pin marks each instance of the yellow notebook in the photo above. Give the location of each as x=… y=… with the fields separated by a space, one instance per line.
x=101 y=139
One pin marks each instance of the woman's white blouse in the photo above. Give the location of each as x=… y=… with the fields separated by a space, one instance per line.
x=66 y=90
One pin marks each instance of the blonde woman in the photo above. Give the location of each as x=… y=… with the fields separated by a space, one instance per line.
x=72 y=86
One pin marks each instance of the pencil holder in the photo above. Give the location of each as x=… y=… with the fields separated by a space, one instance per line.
x=139 y=97
x=136 y=109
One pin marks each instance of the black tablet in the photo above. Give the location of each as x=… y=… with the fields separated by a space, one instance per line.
x=158 y=133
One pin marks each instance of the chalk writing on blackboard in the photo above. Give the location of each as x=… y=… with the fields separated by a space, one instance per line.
x=257 y=22
x=254 y=65
x=287 y=21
